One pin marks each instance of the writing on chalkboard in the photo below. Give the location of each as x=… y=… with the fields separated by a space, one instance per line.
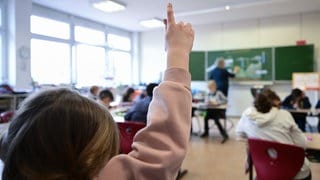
x=252 y=64
x=306 y=81
x=255 y=64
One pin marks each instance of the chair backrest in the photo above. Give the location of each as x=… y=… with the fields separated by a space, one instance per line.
x=127 y=131
x=6 y=116
x=276 y=161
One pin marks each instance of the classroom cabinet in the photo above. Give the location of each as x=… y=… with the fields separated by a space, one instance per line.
x=11 y=102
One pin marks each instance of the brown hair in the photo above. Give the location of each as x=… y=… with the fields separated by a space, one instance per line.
x=262 y=103
x=94 y=89
x=106 y=93
x=272 y=96
x=59 y=134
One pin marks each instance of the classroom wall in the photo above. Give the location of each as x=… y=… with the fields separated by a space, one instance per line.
x=262 y=32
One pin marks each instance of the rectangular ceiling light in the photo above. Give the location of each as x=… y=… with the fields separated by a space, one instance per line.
x=152 y=23
x=108 y=6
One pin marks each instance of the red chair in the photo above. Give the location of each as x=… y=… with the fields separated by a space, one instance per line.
x=127 y=131
x=6 y=116
x=275 y=161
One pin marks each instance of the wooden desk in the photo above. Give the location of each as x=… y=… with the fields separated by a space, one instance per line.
x=221 y=109
x=313 y=147
x=313 y=141
x=205 y=106
x=303 y=111
x=300 y=117
x=119 y=113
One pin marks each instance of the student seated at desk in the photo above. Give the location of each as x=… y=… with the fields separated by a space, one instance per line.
x=94 y=92
x=139 y=110
x=128 y=95
x=265 y=121
x=105 y=98
x=297 y=100
x=215 y=98
x=59 y=134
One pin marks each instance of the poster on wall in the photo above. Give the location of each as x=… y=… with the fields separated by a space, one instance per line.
x=306 y=81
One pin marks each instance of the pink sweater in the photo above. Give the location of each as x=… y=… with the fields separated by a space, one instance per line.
x=158 y=149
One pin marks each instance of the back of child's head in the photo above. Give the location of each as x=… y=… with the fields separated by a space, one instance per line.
x=94 y=90
x=58 y=134
x=106 y=93
x=127 y=93
x=262 y=103
x=272 y=96
x=150 y=88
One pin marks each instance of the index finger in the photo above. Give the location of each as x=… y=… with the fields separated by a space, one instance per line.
x=170 y=15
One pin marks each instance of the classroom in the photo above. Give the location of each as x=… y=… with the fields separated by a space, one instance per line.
x=74 y=45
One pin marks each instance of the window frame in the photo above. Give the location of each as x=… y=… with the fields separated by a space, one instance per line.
x=73 y=21
x=4 y=55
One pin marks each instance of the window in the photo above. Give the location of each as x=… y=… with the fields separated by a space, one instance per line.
x=1 y=14
x=50 y=62
x=64 y=51
x=2 y=54
x=91 y=65
x=119 y=42
x=2 y=74
x=90 y=36
x=120 y=66
x=49 y=27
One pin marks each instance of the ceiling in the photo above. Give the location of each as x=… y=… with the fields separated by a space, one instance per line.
x=193 y=11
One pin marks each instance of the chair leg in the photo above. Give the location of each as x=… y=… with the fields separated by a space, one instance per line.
x=250 y=167
x=181 y=173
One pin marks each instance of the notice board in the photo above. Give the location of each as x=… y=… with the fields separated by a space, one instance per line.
x=306 y=81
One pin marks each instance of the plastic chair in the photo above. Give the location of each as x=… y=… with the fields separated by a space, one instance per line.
x=6 y=116
x=275 y=161
x=127 y=131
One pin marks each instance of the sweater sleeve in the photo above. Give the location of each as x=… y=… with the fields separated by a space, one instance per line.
x=222 y=98
x=230 y=74
x=159 y=149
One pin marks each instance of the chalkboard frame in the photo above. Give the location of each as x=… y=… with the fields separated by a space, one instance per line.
x=206 y=61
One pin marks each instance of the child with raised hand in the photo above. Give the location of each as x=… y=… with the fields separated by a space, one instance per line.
x=159 y=149
x=59 y=134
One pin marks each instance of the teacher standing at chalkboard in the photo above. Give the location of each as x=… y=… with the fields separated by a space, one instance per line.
x=221 y=76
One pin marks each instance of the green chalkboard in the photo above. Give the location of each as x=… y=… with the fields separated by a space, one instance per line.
x=197 y=65
x=254 y=64
x=292 y=59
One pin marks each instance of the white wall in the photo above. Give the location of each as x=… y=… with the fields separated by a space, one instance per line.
x=264 y=32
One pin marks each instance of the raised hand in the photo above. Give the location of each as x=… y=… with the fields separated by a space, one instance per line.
x=179 y=41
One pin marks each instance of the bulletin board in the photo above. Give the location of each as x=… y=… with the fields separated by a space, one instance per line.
x=306 y=81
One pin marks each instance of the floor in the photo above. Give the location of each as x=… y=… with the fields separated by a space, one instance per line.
x=208 y=159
